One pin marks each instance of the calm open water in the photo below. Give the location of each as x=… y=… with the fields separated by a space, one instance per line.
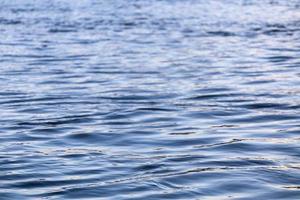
x=150 y=99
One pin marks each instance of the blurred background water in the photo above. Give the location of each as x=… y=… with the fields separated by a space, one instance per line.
x=150 y=99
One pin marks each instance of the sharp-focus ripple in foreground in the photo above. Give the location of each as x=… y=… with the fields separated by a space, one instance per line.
x=150 y=99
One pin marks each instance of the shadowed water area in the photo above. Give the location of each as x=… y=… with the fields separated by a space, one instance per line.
x=150 y=99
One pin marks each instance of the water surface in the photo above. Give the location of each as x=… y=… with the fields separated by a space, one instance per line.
x=150 y=99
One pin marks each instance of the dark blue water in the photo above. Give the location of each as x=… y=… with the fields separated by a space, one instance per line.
x=150 y=99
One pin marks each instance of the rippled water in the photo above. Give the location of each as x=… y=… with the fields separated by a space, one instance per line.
x=149 y=99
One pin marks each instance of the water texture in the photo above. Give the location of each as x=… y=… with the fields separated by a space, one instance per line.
x=150 y=99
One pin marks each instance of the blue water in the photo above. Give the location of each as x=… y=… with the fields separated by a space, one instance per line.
x=150 y=99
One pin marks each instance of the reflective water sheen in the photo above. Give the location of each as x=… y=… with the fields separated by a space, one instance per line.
x=150 y=99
